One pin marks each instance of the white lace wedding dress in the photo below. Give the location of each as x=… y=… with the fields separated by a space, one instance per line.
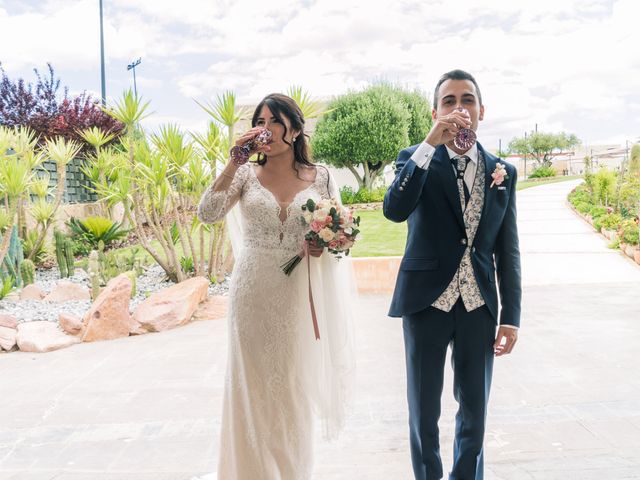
x=278 y=375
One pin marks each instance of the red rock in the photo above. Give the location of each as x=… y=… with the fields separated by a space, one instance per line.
x=213 y=308
x=7 y=337
x=32 y=292
x=108 y=317
x=70 y=323
x=66 y=290
x=8 y=321
x=171 y=307
x=42 y=336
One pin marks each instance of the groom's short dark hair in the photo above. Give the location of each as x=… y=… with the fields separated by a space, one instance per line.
x=455 y=75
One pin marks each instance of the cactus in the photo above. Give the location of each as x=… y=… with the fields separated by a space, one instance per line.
x=94 y=274
x=133 y=277
x=70 y=259
x=27 y=271
x=60 y=240
x=13 y=259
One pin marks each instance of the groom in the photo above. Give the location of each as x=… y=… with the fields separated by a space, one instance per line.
x=461 y=212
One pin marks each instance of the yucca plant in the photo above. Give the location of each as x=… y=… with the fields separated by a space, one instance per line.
x=28 y=245
x=15 y=180
x=40 y=186
x=310 y=108
x=225 y=112
x=61 y=151
x=97 y=138
x=214 y=146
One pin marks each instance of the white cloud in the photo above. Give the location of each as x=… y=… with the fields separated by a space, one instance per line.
x=563 y=64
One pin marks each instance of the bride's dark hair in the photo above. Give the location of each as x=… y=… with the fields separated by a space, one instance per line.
x=282 y=105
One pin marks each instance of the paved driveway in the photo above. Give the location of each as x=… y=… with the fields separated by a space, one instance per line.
x=565 y=405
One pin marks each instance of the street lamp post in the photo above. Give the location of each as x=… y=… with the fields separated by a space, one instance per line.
x=132 y=66
x=103 y=87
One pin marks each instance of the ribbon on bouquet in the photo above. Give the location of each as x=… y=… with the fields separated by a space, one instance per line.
x=314 y=317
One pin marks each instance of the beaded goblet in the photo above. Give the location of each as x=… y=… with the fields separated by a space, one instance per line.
x=240 y=154
x=465 y=138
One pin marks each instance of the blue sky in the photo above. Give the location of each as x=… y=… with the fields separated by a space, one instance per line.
x=565 y=65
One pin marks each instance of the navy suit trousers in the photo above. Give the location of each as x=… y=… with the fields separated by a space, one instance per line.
x=427 y=336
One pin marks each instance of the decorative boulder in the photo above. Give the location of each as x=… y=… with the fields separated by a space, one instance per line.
x=42 y=336
x=70 y=323
x=66 y=290
x=213 y=308
x=108 y=317
x=32 y=292
x=171 y=307
x=8 y=331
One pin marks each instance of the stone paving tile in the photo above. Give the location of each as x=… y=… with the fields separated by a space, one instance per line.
x=565 y=405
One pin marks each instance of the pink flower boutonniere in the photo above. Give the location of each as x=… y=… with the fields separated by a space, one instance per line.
x=499 y=175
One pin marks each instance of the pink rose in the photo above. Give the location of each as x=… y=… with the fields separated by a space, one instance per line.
x=317 y=225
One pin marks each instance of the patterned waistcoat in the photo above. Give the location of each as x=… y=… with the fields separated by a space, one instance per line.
x=464 y=281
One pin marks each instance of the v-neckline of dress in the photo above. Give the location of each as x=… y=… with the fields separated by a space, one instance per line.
x=275 y=200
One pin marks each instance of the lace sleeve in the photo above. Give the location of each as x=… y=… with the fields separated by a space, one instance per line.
x=330 y=184
x=214 y=205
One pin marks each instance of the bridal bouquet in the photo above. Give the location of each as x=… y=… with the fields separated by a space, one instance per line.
x=330 y=225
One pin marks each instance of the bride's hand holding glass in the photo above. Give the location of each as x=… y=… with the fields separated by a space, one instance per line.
x=251 y=142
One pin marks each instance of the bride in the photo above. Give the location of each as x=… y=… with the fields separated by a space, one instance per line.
x=279 y=377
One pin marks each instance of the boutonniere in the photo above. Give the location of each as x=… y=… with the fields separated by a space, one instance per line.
x=499 y=175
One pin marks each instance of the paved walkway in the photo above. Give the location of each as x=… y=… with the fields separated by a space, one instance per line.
x=565 y=405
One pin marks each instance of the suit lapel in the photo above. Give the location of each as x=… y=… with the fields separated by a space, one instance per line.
x=442 y=163
x=489 y=193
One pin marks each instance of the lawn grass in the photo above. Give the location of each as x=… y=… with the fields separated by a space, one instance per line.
x=380 y=237
x=535 y=182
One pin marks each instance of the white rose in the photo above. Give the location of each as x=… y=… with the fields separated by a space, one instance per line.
x=320 y=214
x=308 y=216
x=326 y=234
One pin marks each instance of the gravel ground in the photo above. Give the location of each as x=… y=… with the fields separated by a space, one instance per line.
x=152 y=280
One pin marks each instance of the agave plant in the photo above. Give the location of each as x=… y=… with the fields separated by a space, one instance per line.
x=96 y=229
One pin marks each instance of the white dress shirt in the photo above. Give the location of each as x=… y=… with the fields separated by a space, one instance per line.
x=422 y=158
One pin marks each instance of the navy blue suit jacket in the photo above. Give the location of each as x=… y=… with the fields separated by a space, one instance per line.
x=436 y=237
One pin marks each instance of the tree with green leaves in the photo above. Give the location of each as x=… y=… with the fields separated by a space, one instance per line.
x=634 y=160
x=543 y=147
x=367 y=129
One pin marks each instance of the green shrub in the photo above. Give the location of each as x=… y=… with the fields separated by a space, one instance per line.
x=363 y=195
x=604 y=187
x=610 y=221
x=580 y=194
x=597 y=211
x=583 y=207
x=628 y=232
x=543 y=172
